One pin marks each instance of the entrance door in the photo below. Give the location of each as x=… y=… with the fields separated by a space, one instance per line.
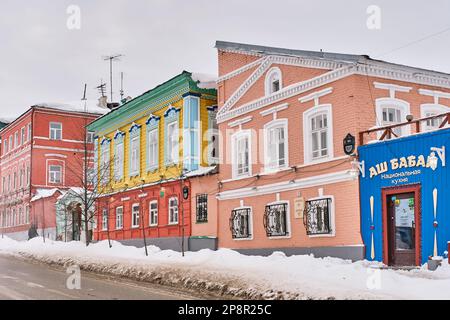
x=401 y=228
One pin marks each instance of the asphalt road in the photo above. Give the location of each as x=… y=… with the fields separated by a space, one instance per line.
x=23 y=280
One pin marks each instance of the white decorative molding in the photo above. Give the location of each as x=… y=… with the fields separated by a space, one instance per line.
x=285 y=93
x=435 y=94
x=240 y=122
x=320 y=180
x=316 y=95
x=55 y=155
x=142 y=195
x=240 y=70
x=393 y=88
x=125 y=199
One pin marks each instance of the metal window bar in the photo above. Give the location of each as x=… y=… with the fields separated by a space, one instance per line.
x=317 y=216
x=202 y=208
x=240 y=223
x=275 y=220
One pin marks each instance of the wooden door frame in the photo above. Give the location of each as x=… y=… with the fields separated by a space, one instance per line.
x=416 y=189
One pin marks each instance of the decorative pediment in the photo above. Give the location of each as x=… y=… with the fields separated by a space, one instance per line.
x=171 y=112
x=105 y=140
x=119 y=134
x=152 y=120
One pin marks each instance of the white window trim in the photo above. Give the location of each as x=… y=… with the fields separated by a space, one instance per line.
x=105 y=225
x=268 y=84
x=176 y=147
x=402 y=105
x=134 y=173
x=242 y=133
x=332 y=218
x=250 y=223
x=61 y=174
x=133 y=226
x=178 y=213
x=273 y=124
x=121 y=227
x=150 y=213
x=50 y=131
x=307 y=139
x=432 y=108
x=288 y=219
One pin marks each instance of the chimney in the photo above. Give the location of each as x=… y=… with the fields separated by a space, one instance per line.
x=103 y=102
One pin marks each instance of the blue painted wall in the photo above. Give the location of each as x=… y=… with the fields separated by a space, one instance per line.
x=428 y=178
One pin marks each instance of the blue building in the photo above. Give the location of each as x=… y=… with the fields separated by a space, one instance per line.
x=405 y=198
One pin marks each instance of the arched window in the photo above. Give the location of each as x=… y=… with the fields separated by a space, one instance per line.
x=429 y=110
x=318 y=133
x=392 y=111
x=276 y=144
x=273 y=81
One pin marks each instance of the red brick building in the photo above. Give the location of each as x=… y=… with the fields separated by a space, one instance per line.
x=285 y=182
x=42 y=154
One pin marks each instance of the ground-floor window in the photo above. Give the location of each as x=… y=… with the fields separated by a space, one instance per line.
x=317 y=217
x=105 y=220
x=202 y=207
x=135 y=216
x=240 y=223
x=119 y=218
x=276 y=220
x=153 y=207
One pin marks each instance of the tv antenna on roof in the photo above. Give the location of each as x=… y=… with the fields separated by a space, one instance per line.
x=121 y=86
x=84 y=97
x=111 y=58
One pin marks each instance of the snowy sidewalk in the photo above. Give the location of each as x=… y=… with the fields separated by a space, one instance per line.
x=250 y=277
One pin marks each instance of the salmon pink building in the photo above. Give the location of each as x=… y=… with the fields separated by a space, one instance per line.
x=285 y=182
x=42 y=154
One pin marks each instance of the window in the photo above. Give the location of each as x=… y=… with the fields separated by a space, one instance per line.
x=172 y=142
x=152 y=149
x=153 y=206
x=28 y=177
x=134 y=150
x=240 y=223
x=135 y=216
x=241 y=154
x=27 y=215
x=317 y=217
x=273 y=81
x=20 y=220
x=118 y=159
x=119 y=218
x=11 y=145
x=16 y=139
x=191 y=134
x=90 y=137
x=5 y=143
x=430 y=110
x=392 y=116
x=3 y=184
x=29 y=131
x=21 y=177
x=318 y=133
x=22 y=135
x=13 y=222
x=276 y=144
x=15 y=181
x=105 y=220
x=173 y=210
x=213 y=135
x=55 y=131
x=276 y=220
x=105 y=163
x=202 y=207
x=55 y=174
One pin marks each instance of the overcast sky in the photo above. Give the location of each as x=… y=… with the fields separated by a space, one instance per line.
x=41 y=60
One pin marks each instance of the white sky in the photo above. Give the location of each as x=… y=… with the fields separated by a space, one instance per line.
x=42 y=60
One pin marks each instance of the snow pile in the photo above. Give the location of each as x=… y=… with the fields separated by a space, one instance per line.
x=228 y=273
x=44 y=193
x=204 y=81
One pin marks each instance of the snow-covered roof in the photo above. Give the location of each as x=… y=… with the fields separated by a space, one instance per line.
x=44 y=193
x=204 y=81
x=77 y=106
x=7 y=119
x=201 y=171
